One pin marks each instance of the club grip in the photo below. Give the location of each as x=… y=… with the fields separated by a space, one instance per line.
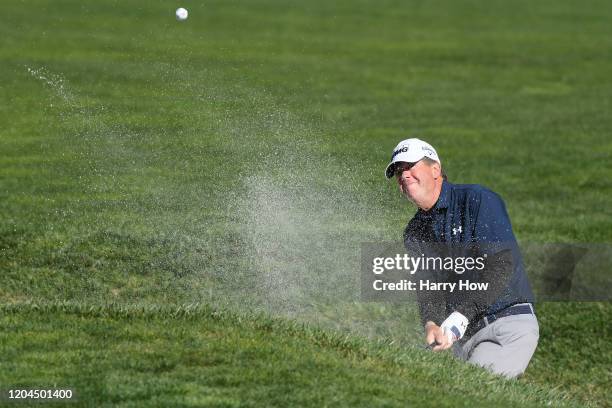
x=432 y=345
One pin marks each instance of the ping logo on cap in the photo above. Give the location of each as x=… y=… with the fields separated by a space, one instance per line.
x=398 y=151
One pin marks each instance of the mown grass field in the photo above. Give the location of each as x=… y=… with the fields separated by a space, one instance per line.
x=235 y=161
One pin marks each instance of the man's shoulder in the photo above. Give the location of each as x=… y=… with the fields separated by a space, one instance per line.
x=415 y=225
x=415 y=220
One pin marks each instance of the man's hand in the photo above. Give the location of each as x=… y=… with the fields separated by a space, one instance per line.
x=433 y=332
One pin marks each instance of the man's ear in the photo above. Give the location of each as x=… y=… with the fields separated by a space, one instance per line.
x=436 y=170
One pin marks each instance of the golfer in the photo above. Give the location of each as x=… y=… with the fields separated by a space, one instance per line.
x=498 y=329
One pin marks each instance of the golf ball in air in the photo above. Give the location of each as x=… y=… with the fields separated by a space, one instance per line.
x=181 y=14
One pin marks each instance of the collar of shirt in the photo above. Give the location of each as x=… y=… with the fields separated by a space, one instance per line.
x=444 y=195
x=442 y=202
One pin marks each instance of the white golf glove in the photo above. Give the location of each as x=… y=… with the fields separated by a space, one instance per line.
x=455 y=326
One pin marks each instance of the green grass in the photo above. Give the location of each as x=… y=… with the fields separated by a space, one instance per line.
x=126 y=356
x=236 y=160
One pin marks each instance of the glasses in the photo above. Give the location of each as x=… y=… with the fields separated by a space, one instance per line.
x=403 y=166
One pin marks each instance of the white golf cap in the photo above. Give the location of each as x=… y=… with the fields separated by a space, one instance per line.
x=410 y=151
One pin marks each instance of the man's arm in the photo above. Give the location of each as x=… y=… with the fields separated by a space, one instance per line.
x=432 y=304
x=492 y=235
x=432 y=309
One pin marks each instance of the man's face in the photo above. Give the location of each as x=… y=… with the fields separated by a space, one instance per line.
x=417 y=180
